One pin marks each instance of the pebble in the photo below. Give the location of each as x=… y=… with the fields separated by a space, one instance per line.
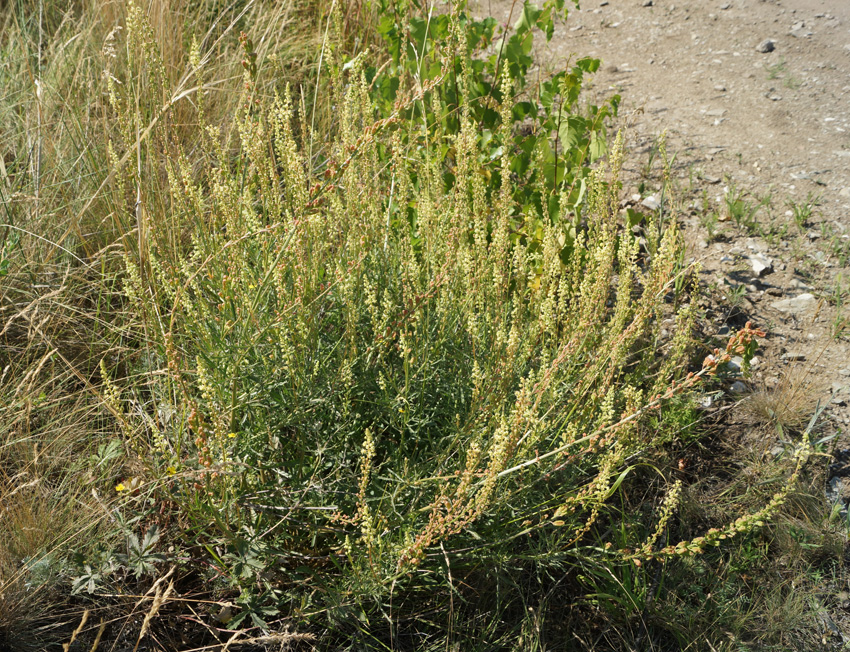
x=735 y=364
x=738 y=388
x=647 y=3
x=813 y=235
x=844 y=372
x=761 y=265
x=794 y=356
x=798 y=284
x=798 y=304
x=720 y=88
x=767 y=45
x=725 y=6
x=798 y=30
x=651 y=203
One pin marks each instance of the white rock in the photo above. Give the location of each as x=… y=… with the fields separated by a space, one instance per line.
x=761 y=264
x=651 y=203
x=798 y=304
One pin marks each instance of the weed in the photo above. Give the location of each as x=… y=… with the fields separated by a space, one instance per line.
x=839 y=299
x=742 y=210
x=776 y=70
x=735 y=294
x=709 y=221
x=802 y=211
x=837 y=244
x=356 y=335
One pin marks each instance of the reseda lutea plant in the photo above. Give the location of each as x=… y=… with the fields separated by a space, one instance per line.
x=428 y=339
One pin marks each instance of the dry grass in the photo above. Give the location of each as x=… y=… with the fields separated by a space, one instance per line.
x=789 y=405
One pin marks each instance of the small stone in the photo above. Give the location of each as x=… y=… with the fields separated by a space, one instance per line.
x=738 y=388
x=767 y=45
x=795 y=305
x=777 y=450
x=735 y=364
x=716 y=113
x=844 y=192
x=798 y=284
x=725 y=6
x=774 y=97
x=844 y=372
x=720 y=88
x=647 y=3
x=795 y=356
x=651 y=203
x=761 y=265
x=835 y=491
x=813 y=235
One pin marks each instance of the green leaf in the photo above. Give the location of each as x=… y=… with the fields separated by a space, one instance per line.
x=598 y=145
x=528 y=19
x=572 y=132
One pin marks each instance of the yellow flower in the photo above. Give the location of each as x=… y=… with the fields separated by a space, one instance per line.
x=120 y=487
x=231 y=435
x=171 y=470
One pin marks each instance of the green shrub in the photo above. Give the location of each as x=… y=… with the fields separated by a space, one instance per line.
x=419 y=327
x=382 y=339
